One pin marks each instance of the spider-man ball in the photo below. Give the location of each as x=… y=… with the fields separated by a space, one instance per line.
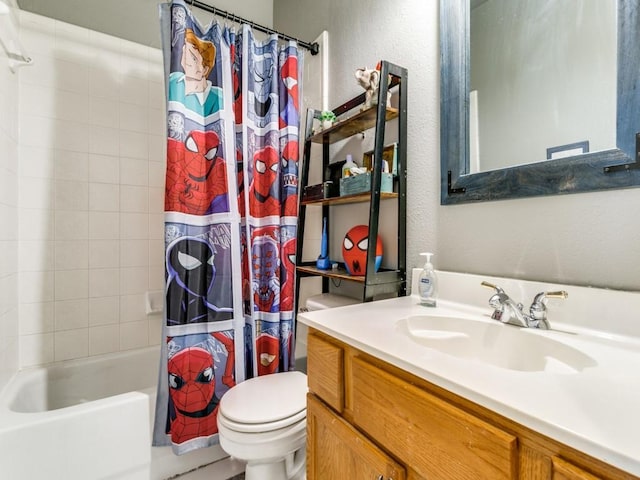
x=354 y=250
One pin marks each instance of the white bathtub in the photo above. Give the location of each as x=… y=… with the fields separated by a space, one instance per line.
x=88 y=419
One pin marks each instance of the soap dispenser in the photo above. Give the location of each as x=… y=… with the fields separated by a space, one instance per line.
x=428 y=283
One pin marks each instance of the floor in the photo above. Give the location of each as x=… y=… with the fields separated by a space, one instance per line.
x=223 y=470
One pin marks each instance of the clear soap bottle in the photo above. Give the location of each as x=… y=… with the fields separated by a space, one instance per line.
x=428 y=283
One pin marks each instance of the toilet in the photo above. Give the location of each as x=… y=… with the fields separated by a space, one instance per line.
x=263 y=422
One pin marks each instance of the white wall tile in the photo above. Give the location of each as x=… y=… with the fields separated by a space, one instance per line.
x=134 y=280
x=157 y=174
x=134 y=226
x=156 y=226
x=71 y=165
x=71 y=195
x=9 y=217
x=69 y=344
x=36 y=193
x=104 y=140
x=36 y=255
x=156 y=277
x=104 y=282
x=90 y=185
x=132 y=308
x=71 y=254
x=40 y=73
x=134 y=253
x=71 y=225
x=71 y=76
x=104 y=253
x=104 y=339
x=36 y=349
x=71 y=314
x=104 y=197
x=37 y=161
x=104 y=112
x=9 y=290
x=134 y=199
x=36 y=224
x=37 y=100
x=104 y=310
x=134 y=59
x=104 y=82
x=156 y=253
x=35 y=287
x=104 y=168
x=134 y=118
x=156 y=200
x=158 y=148
x=36 y=318
x=70 y=105
x=134 y=335
x=71 y=135
x=134 y=171
x=155 y=330
x=104 y=225
x=71 y=284
x=9 y=255
x=37 y=131
x=134 y=144
x=134 y=90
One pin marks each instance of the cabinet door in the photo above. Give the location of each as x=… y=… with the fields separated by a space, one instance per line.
x=437 y=439
x=336 y=450
x=563 y=470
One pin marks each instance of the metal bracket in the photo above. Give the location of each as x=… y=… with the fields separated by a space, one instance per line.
x=625 y=167
x=452 y=191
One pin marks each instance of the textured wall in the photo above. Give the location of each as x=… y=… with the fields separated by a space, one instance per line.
x=360 y=34
x=587 y=239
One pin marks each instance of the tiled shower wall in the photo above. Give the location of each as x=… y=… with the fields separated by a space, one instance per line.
x=8 y=220
x=90 y=197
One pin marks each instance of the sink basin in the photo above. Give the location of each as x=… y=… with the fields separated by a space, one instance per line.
x=491 y=342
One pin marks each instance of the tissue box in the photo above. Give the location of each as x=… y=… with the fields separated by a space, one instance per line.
x=362 y=183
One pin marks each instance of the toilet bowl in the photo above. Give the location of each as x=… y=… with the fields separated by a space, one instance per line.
x=262 y=422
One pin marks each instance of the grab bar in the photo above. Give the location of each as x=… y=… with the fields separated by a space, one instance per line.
x=11 y=41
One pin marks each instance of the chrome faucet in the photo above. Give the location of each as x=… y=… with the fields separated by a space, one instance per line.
x=508 y=311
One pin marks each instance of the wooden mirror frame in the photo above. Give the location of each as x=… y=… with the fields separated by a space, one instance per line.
x=608 y=169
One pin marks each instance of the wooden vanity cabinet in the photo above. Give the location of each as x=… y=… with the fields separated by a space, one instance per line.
x=367 y=420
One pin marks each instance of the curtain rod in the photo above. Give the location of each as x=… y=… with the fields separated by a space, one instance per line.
x=314 y=48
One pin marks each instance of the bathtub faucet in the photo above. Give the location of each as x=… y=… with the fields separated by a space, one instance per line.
x=508 y=311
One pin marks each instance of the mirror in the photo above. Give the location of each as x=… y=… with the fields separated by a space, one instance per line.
x=614 y=167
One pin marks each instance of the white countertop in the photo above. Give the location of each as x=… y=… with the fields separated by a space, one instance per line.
x=595 y=410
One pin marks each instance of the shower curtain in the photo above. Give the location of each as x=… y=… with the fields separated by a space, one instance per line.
x=231 y=200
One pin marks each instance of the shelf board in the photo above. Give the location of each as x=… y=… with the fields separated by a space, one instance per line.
x=384 y=276
x=340 y=273
x=359 y=122
x=343 y=200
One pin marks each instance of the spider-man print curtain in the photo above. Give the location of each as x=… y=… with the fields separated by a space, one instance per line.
x=230 y=218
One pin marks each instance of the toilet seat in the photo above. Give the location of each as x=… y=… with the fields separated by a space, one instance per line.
x=260 y=427
x=265 y=403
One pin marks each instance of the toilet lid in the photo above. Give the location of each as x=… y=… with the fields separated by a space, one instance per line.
x=266 y=399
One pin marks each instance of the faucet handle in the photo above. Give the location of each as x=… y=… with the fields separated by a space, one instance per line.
x=491 y=285
x=542 y=296
x=538 y=309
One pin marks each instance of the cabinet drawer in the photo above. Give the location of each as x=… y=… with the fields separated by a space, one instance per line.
x=563 y=470
x=325 y=371
x=435 y=438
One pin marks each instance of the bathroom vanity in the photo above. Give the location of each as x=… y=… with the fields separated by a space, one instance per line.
x=398 y=391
